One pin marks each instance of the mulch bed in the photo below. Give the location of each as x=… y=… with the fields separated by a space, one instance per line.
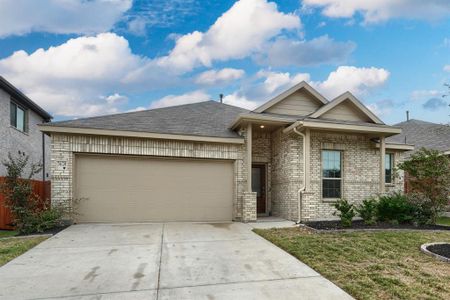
x=440 y=249
x=359 y=224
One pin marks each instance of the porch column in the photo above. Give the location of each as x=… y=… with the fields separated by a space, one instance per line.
x=249 y=158
x=382 y=163
x=249 y=198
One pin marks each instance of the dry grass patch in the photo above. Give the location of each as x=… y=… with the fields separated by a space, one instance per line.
x=371 y=265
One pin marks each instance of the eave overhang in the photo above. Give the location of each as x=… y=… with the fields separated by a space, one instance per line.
x=375 y=130
x=137 y=134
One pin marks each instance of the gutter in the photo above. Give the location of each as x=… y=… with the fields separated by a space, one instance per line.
x=302 y=188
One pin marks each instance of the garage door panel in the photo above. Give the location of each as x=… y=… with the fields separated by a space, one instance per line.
x=125 y=189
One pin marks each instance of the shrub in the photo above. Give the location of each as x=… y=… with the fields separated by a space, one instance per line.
x=429 y=179
x=367 y=210
x=346 y=212
x=28 y=211
x=395 y=208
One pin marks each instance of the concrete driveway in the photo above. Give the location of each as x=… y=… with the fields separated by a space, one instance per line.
x=161 y=261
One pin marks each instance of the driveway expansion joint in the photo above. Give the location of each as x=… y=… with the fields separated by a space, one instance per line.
x=160 y=261
x=239 y=282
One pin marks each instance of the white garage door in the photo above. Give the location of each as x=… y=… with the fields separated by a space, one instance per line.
x=130 y=189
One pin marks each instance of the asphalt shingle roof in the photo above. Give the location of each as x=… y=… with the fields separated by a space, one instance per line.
x=208 y=118
x=423 y=134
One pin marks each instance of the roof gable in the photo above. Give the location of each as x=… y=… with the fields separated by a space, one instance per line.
x=301 y=100
x=346 y=107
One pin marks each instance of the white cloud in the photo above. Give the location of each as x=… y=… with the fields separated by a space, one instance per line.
x=275 y=81
x=171 y=100
x=382 y=107
x=375 y=11
x=358 y=81
x=241 y=101
x=239 y=32
x=116 y=98
x=447 y=68
x=419 y=95
x=71 y=79
x=157 y=13
x=225 y=75
x=69 y=16
x=321 y=50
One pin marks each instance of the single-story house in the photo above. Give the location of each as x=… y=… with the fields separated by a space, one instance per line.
x=292 y=157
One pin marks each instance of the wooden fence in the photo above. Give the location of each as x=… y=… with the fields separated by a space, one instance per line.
x=40 y=188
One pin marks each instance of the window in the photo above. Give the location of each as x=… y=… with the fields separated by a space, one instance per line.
x=331 y=173
x=389 y=166
x=18 y=117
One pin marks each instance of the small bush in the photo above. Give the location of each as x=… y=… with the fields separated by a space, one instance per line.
x=29 y=212
x=367 y=210
x=395 y=208
x=346 y=212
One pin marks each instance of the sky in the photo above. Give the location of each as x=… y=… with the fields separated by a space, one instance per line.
x=94 y=57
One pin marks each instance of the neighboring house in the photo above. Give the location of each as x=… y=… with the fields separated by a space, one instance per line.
x=423 y=135
x=19 y=134
x=292 y=157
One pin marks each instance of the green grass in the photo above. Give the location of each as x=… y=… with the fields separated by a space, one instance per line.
x=443 y=221
x=7 y=233
x=11 y=248
x=371 y=265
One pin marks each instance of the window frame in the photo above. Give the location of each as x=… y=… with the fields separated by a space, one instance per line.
x=341 y=178
x=391 y=164
x=14 y=121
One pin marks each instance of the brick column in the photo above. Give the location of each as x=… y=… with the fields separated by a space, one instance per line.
x=249 y=207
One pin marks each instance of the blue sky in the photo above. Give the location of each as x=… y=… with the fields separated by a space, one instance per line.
x=85 y=58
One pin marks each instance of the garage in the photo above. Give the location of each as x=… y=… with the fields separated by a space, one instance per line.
x=136 y=189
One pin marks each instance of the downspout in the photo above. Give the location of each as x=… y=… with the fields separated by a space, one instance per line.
x=303 y=186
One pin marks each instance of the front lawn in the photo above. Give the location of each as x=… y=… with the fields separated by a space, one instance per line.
x=11 y=248
x=7 y=233
x=371 y=265
x=443 y=221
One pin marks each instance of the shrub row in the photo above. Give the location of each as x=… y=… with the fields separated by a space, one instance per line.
x=395 y=208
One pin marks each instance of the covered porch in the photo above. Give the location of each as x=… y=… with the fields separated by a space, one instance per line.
x=283 y=158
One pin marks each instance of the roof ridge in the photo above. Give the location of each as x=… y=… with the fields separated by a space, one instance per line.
x=146 y=110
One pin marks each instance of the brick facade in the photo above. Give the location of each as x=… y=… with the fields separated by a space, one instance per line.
x=281 y=153
x=65 y=147
x=287 y=173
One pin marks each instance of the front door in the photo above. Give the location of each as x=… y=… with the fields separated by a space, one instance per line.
x=259 y=187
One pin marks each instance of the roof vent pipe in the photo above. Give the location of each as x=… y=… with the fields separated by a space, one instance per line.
x=221 y=98
x=407 y=115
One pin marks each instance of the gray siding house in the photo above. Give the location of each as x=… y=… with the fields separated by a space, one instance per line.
x=19 y=132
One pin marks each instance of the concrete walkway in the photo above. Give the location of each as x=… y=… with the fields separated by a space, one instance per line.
x=161 y=261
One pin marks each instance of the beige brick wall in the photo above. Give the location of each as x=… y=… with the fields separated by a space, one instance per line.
x=361 y=165
x=398 y=184
x=65 y=146
x=287 y=177
x=282 y=154
x=262 y=154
